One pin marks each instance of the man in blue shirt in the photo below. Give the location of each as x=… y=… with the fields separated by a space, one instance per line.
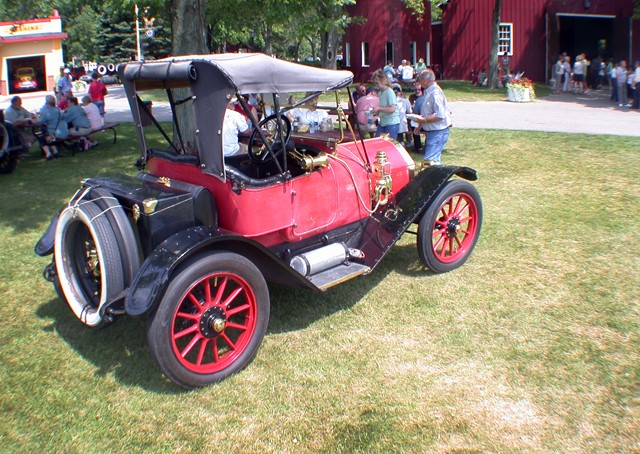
x=64 y=84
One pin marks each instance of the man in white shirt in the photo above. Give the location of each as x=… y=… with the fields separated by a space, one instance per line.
x=434 y=118
x=20 y=117
x=309 y=114
x=234 y=124
x=407 y=73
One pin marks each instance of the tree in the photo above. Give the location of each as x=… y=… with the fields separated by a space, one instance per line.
x=189 y=37
x=116 y=37
x=493 y=54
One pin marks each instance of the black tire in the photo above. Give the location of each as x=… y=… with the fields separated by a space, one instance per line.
x=122 y=229
x=88 y=263
x=449 y=228
x=196 y=340
x=8 y=160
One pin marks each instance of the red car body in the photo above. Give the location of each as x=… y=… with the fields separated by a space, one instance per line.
x=193 y=240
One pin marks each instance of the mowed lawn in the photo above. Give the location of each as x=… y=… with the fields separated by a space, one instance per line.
x=533 y=345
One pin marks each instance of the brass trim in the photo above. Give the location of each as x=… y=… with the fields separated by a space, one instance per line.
x=135 y=212
x=149 y=206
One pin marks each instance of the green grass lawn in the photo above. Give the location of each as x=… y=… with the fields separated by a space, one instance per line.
x=533 y=345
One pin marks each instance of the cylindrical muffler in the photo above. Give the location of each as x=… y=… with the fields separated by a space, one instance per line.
x=318 y=260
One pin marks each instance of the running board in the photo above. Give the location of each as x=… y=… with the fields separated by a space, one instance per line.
x=338 y=274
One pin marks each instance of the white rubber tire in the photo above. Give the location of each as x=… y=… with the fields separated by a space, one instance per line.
x=86 y=292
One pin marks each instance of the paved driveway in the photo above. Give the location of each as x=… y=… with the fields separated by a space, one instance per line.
x=590 y=114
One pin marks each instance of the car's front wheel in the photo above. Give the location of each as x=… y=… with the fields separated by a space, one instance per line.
x=449 y=228
x=211 y=320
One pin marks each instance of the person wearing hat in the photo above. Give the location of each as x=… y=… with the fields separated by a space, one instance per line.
x=64 y=84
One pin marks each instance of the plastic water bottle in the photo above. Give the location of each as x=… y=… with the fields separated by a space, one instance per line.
x=369 y=117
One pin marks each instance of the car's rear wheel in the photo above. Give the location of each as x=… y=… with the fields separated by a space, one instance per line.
x=211 y=320
x=449 y=228
x=8 y=160
x=88 y=263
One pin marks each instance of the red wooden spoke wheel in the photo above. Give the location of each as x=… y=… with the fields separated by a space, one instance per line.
x=211 y=320
x=214 y=323
x=449 y=229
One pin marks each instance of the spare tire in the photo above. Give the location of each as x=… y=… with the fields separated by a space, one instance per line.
x=122 y=229
x=88 y=262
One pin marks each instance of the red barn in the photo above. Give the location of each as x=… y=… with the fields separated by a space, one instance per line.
x=533 y=33
x=389 y=32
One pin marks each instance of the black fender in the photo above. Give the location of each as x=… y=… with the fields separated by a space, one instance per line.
x=44 y=246
x=387 y=225
x=152 y=279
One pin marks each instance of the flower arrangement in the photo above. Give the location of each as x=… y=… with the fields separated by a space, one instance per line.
x=521 y=90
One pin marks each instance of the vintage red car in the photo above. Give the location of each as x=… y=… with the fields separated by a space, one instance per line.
x=193 y=240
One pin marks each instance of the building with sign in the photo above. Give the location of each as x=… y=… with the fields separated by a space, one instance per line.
x=30 y=54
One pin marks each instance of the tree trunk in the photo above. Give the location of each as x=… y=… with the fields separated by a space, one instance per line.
x=328 y=45
x=189 y=35
x=268 y=40
x=493 y=54
x=188 y=28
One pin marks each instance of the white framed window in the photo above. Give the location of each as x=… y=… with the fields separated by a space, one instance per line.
x=413 y=51
x=389 y=53
x=347 y=54
x=427 y=54
x=505 y=39
x=365 y=54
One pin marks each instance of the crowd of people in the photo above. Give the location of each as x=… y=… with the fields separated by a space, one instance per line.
x=383 y=109
x=62 y=117
x=622 y=79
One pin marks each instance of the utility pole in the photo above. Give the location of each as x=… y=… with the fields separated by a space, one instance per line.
x=138 y=53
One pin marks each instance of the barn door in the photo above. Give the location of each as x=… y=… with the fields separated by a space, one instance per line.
x=553 y=43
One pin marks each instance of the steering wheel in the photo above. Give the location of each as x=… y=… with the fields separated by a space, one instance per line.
x=271 y=147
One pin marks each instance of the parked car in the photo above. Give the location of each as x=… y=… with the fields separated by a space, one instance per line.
x=192 y=240
x=25 y=79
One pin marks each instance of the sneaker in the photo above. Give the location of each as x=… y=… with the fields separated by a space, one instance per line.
x=627 y=105
x=429 y=163
x=49 y=158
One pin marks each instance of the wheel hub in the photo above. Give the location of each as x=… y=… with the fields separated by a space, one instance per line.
x=453 y=226
x=213 y=322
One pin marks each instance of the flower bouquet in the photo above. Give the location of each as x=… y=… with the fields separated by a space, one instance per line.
x=521 y=90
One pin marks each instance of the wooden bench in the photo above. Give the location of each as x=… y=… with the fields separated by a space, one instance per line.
x=69 y=142
x=71 y=139
x=106 y=127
